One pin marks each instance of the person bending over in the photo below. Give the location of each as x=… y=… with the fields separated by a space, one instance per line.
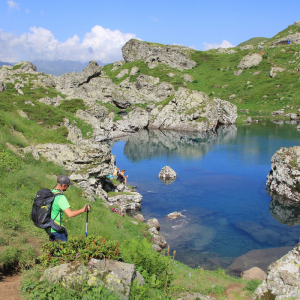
x=122 y=178
x=60 y=205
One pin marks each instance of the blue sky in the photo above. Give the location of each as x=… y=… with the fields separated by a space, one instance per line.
x=85 y=30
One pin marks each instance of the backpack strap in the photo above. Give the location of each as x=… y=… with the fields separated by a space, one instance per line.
x=55 y=195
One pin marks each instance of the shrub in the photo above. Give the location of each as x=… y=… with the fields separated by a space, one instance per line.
x=154 y=267
x=72 y=105
x=9 y=257
x=81 y=249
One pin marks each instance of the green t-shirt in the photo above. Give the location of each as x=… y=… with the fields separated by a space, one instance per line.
x=60 y=204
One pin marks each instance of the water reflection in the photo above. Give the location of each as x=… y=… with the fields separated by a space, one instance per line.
x=285 y=214
x=150 y=144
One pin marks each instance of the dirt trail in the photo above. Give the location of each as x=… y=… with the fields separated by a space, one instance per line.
x=235 y=290
x=9 y=287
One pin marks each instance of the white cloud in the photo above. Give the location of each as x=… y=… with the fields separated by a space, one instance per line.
x=27 y=11
x=99 y=44
x=224 y=44
x=12 y=5
x=154 y=19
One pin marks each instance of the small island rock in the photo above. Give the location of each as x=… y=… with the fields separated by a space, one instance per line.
x=167 y=173
x=174 y=215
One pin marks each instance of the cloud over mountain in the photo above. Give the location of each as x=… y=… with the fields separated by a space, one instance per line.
x=224 y=44
x=100 y=44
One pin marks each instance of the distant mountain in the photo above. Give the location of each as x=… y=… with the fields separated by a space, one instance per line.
x=59 y=67
x=6 y=63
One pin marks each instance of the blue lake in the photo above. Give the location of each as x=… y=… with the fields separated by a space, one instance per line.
x=220 y=189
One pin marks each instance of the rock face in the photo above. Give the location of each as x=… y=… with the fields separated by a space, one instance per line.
x=283 y=181
x=116 y=276
x=126 y=202
x=283 y=278
x=249 y=61
x=173 y=56
x=153 y=223
x=294 y=38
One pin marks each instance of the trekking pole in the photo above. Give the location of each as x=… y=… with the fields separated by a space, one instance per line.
x=87 y=218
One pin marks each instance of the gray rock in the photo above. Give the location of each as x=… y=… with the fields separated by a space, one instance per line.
x=231 y=97
x=174 y=215
x=292 y=38
x=140 y=218
x=283 y=179
x=171 y=74
x=122 y=73
x=174 y=56
x=22 y=114
x=194 y=296
x=227 y=112
x=134 y=71
x=283 y=278
x=167 y=173
x=249 y=61
x=159 y=240
x=3 y=87
x=126 y=202
x=249 y=120
x=238 y=72
x=274 y=70
x=256 y=73
x=153 y=231
x=188 y=78
x=116 y=276
x=156 y=248
x=277 y=112
x=254 y=274
x=117 y=64
x=154 y=223
x=49 y=82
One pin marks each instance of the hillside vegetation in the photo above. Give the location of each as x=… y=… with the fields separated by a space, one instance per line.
x=22 y=175
x=253 y=41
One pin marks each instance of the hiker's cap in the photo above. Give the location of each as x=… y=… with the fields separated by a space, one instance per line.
x=63 y=179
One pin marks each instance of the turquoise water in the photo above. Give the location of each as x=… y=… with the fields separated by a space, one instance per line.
x=220 y=189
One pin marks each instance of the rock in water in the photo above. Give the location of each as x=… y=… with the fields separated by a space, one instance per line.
x=283 y=181
x=174 y=215
x=283 y=278
x=167 y=175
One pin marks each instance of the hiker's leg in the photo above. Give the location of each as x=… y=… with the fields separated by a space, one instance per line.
x=125 y=181
x=59 y=236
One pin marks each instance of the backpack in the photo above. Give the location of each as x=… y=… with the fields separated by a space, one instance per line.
x=41 y=210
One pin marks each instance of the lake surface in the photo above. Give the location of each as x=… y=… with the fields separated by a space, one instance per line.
x=220 y=189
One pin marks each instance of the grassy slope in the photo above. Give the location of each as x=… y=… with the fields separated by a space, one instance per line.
x=253 y=41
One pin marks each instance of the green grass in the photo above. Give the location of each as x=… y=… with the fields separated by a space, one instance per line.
x=253 y=41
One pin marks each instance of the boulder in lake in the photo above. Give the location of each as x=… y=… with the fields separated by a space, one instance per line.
x=174 y=215
x=167 y=173
x=283 y=278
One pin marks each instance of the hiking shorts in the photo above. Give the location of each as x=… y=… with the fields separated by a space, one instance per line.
x=58 y=236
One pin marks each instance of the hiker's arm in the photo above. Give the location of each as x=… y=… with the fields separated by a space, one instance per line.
x=74 y=213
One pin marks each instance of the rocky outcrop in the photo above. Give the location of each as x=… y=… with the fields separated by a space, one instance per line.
x=154 y=223
x=192 y=111
x=173 y=56
x=114 y=275
x=283 y=278
x=88 y=164
x=126 y=202
x=249 y=61
x=246 y=47
x=292 y=38
x=283 y=181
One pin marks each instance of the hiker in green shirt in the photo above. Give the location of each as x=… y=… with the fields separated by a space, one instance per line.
x=60 y=205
